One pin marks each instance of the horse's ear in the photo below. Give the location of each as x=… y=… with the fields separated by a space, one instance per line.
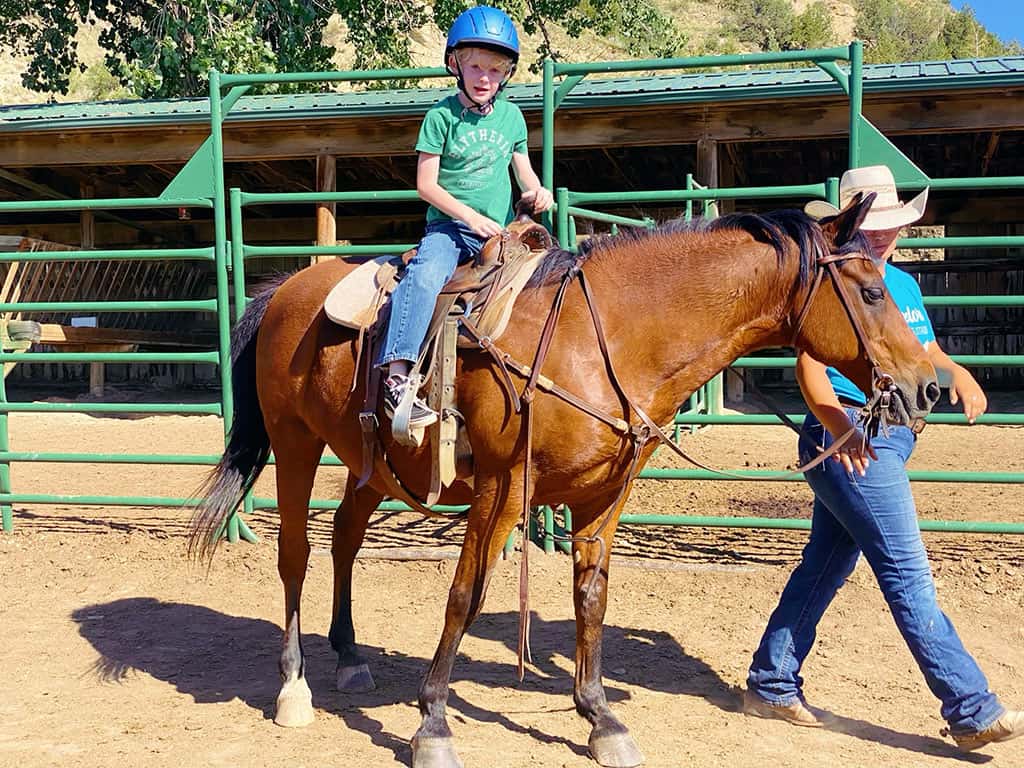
x=844 y=225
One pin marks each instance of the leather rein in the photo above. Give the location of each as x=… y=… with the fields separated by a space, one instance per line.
x=646 y=430
x=884 y=392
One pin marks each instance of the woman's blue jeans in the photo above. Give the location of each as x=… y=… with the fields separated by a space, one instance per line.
x=445 y=245
x=875 y=515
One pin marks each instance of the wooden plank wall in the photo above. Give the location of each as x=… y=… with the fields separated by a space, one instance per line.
x=979 y=330
x=125 y=280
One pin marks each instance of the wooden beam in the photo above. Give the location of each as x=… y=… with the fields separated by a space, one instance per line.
x=655 y=124
x=990 y=151
x=387 y=165
x=283 y=180
x=64 y=335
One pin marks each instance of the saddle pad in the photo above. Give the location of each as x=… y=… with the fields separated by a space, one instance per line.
x=493 y=320
x=352 y=300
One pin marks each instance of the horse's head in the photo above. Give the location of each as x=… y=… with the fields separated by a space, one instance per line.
x=847 y=319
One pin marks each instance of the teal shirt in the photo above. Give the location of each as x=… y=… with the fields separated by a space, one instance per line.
x=907 y=294
x=476 y=151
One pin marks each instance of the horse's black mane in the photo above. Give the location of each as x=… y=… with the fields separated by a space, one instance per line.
x=773 y=228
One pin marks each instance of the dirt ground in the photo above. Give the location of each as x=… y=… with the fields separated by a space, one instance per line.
x=117 y=651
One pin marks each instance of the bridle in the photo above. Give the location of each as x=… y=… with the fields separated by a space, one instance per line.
x=885 y=399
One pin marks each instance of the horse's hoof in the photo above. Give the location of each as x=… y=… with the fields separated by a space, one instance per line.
x=294 y=704
x=434 y=752
x=355 y=679
x=615 y=750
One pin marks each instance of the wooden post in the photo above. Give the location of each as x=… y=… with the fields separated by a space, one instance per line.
x=87 y=241
x=87 y=219
x=707 y=167
x=326 y=181
x=727 y=176
x=708 y=175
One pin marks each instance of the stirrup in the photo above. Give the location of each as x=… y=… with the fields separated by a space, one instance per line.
x=401 y=430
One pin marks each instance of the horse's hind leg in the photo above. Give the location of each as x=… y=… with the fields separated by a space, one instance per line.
x=491 y=519
x=350 y=521
x=297 y=453
x=610 y=742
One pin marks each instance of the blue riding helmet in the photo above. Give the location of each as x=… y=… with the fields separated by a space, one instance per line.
x=486 y=27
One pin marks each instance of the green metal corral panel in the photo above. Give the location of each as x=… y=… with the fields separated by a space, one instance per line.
x=196 y=178
x=875 y=149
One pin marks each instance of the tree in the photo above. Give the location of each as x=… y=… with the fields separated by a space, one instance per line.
x=897 y=30
x=766 y=24
x=813 y=27
x=964 y=38
x=165 y=49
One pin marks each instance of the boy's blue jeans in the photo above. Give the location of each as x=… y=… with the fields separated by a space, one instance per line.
x=875 y=515
x=445 y=245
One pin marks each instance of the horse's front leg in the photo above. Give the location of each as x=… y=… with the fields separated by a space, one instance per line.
x=492 y=517
x=350 y=521
x=298 y=454
x=610 y=742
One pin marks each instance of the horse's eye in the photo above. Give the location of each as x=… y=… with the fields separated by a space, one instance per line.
x=872 y=295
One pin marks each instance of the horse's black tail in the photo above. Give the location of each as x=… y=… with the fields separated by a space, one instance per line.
x=248 y=446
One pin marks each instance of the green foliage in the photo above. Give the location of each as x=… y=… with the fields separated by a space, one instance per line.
x=160 y=50
x=899 y=30
x=813 y=27
x=638 y=25
x=765 y=24
x=44 y=31
x=379 y=31
x=894 y=30
x=97 y=83
x=165 y=49
x=964 y=38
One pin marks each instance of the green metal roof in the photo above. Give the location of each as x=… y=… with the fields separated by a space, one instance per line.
x=595 y=92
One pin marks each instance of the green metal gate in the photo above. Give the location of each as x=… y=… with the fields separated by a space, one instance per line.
x=201 y=184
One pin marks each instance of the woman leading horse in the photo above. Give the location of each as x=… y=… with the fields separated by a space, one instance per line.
x=645 y=320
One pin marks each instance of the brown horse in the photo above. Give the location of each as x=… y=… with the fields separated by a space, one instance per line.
x=676 y=306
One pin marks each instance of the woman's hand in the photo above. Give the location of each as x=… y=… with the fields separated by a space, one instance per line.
x=856 y=453
x=965 y=388
x=540 y=198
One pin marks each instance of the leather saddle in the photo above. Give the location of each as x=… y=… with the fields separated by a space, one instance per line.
x=481 y=295
x=486 y=287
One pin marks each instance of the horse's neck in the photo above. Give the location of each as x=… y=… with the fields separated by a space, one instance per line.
x=691 y=312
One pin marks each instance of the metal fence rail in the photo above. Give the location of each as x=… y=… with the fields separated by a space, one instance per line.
x=220 y=356
x=194 y=188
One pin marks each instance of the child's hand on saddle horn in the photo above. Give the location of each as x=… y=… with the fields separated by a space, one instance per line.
x=540 y=198
x=483 y=226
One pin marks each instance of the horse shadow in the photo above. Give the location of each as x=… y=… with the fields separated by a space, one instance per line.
x=215 y=657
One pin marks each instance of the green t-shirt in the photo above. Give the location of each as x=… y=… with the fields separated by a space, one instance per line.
x=475 y=151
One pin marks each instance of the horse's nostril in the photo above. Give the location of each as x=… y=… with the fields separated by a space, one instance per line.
x=932 y=392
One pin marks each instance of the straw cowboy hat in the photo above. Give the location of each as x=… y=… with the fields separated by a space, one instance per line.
x=887 y=212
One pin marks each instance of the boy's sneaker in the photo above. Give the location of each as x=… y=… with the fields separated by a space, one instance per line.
x=396 y=388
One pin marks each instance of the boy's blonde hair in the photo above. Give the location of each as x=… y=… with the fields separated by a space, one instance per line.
x=485 y=57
